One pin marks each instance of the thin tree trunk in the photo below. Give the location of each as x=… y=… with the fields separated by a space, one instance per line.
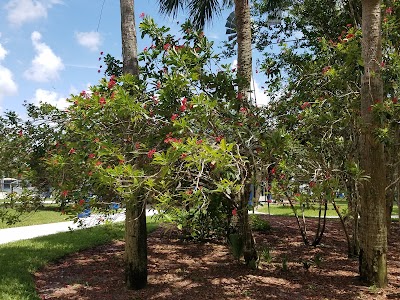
x=249 y=251
x=135 y=244
x=135 y=222
x=243 y=28
x=373 y=233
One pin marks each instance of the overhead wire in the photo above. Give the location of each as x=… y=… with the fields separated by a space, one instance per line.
x=101 y=14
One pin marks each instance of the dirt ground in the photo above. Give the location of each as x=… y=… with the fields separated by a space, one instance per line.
x=185 y=270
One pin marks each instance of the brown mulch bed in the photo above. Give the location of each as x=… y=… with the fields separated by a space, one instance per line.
x=180 y=269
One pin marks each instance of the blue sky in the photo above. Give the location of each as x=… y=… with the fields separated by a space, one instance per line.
x=50 y=49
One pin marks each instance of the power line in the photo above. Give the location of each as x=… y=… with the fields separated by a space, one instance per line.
x=101 y=13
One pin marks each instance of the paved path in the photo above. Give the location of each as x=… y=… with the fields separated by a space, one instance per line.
x=28 y=232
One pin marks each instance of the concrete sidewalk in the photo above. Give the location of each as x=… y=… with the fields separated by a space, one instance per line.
x=28 y=232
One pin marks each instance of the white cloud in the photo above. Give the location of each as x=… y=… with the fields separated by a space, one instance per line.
x=261 y=97
x=90 y=40
x=8 y=86
x=46 y=65
x=22 y=11
x=50 y=97
x=3 y=52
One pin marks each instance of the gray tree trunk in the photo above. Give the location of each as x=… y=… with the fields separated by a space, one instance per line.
x=135 y=222
x=129 y=40
x=373 y=231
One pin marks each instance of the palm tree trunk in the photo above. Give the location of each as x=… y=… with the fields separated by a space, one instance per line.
x=129 y=40
x=373 y=231
x=135 y=222
x=243 y=29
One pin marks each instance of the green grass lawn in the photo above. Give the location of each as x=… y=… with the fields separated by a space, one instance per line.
x=19 y=260
x=43 y=215
x=286 y=210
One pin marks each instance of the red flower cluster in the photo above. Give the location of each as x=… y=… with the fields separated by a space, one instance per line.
x=112 y=82
x=91 y=155
x=170 y=139
x=151 y=153
x=326 y=69
x=183 y=105
x=305 y=105
x=174 y=117
x=219 y=138
x=102 y=101
x=72 y=151
x=243 y=110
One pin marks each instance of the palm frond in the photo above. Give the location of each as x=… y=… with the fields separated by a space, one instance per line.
x=171 y=6
x=202 y=11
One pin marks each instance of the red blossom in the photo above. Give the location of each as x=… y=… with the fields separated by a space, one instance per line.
x=234 y=212
x=243 y=110
x=111 y=83
x=90 y=173
x=158 y=85
x=72 y=151
x=81 y=202
x=141 y=15
x=219 y=138
x=239 y=96
x=349 y=25
x=312 y=184
x=167 y=46
x=101 y=53
x=182 y=108
x=64 y=193
x=20 y=133
x=91 y=155
x=174 y=117
x=389 y=10
x=96 y=140
x=102 y=101
x=98 y=163
x=305 y=105
x=189 y=192
x=273 y=171
x=198 y=142
x=326 y=69
x=183 y=155
x=137 y=145
x=151 y=153
x=395 y=100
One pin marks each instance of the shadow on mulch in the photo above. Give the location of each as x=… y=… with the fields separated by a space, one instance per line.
x=185 y=270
